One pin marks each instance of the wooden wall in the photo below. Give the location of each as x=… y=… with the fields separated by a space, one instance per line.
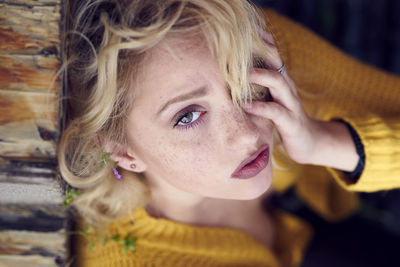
x=32 y=218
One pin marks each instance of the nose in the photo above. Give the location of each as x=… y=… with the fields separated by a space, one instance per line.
x=238 y=130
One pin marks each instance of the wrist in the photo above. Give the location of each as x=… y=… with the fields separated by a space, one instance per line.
x=334 y=146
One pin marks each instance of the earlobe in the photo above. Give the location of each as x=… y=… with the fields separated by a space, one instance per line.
x=125 y=159
x=130 y=163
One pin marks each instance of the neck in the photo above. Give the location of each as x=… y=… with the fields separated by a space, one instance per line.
x=245 y=215
x=201 y=211
x=176 y=205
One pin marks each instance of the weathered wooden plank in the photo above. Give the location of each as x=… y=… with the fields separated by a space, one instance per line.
x=17 y=107
x=26 y=141
x=27 y=172
x=31 y=3
x=27 y=243
x=29 y=26
x=15 y=41
x=32 y=217
x=30 y=194
x=29 y=72
x=27 y=260
x=17 y=11
x=32 y=230
x=28 y=124
x=38 y=217
x=28 y=121
x=28 y=149
x=39 y=12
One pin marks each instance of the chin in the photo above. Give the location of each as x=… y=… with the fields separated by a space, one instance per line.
x=256 y=186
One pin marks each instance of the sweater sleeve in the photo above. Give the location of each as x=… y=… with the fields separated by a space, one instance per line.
x=333 y=85
x=381 y=140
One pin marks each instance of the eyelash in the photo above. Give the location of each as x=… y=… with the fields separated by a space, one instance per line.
x=191 y=125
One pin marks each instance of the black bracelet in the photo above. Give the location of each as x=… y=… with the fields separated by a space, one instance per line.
x=360 y=151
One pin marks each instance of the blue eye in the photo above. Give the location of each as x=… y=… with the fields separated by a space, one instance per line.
x=189 y=119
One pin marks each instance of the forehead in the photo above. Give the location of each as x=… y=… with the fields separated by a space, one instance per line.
x=173 y=66
x=175 y=52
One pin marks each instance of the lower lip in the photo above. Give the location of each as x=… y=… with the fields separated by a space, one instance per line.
x=255 y=167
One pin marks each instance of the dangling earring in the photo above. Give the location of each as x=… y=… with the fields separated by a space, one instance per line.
x=116 y=174
x=133 y=166
x=105 y=158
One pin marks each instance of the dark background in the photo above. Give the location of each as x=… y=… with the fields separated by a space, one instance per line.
x=369 y=30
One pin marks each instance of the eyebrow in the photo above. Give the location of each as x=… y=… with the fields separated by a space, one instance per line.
x=202 y=91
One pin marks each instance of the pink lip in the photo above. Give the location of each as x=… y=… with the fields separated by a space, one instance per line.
x=254 y=164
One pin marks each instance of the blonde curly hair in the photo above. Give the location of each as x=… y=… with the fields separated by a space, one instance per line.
x=105 y=49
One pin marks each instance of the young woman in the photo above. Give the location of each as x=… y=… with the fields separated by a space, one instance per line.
x=177 y=110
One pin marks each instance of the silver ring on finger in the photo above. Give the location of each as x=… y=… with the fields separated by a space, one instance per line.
x=282 y=69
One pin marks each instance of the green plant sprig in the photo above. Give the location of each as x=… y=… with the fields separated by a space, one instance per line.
x=106 y=159
x=128 y=242
x=70 y=195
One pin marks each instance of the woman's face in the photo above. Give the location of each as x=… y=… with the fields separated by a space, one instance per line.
x=185 y=128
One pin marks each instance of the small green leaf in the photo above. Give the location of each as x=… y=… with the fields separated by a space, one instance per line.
x=131 y=247
x=115 y=237
x=106 y=156
x=70 y=195
x=91 y=244
x=87 y=230
x=129 y=242
x=104 y=159
x=73 y=192
x=105 y=240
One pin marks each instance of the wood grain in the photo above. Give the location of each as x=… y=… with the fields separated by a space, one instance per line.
x=32 y=230
x=28 y=124
x=26 y=242
x=28 y=27
x=27 y=260
x=29 y=72
x=12 y=193
x=27 y=171
x=29 y=90
x=32 y=218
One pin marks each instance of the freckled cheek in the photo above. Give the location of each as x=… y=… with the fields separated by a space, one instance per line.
x=264 y=126
x=187 y=157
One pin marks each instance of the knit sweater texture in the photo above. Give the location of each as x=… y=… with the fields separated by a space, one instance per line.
x=331 y=85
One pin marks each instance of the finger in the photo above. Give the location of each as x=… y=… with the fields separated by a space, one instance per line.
x=269 y=41
x=278 y=87
x=274 y=56
x=265 y=35
x=292 y=86
x=275 y=112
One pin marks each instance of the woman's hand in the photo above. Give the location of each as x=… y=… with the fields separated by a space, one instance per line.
x=298 y=131
x=305 y=140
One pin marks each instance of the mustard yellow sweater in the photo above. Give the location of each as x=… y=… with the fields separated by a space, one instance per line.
x=334 y=85
x=331 y=85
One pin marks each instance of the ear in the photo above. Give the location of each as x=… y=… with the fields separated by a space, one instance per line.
x=125 y=157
